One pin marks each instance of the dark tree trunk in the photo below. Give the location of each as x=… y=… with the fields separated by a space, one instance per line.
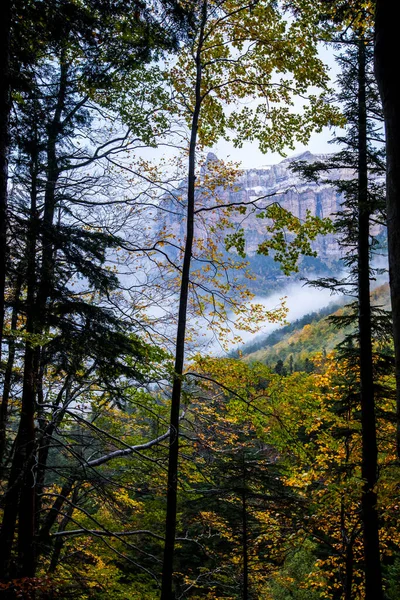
x=52 y=174
x=21 y=475
x=53 y=513
x=5 y=106
x=58 y=545
x=21 y=497
x=47 y=430
x=170 y=527
x=22 y=463
x=8 y=375
x=245 y=541
x=387 y=48
x=348 y=593
x=26 y=448
x=373 y=578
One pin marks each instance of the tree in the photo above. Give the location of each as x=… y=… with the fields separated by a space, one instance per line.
x=386 y=46
x=235 y=49
x=86 y=49
x=5 y=106
x=363 y=203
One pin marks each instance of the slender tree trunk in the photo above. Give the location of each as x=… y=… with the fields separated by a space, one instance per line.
x=244 y=537
x=348 y=540
x=387 y=48
x=373 y=577
x=44 y=444
x=23 y=459
x=8 y=375
x=46 y=279
x=53 y=513
x=5 y=106
x=26 y=447
x=55 y=558
x=348 y=593
x=170 y=527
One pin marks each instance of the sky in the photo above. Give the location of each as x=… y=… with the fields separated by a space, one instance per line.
x=249 y=155
x=251 y=158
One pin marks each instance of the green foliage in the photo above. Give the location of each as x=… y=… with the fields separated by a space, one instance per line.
x=393 y=580
x=290 y=237
x=288 y=584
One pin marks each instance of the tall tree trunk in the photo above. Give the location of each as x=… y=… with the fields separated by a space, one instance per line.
x=170 y=526
x=5 y=106
x=348 y=584
x=45 y=439
x=23 y=459
x=387 y=47
x=348 y=537
x=58 y=545
x=373 y=578
x=44 y=285
x=244 y=536
x=8 y=375
x=348 y=589
x=46 y=279
x=53 y=513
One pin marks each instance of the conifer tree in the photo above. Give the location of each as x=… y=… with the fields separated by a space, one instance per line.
x=387 y=16
x=55 y=244
x=362 y=209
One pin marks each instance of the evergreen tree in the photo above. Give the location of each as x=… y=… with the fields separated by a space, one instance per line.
x=363 y=207
x=57 y=153
x=387 y=15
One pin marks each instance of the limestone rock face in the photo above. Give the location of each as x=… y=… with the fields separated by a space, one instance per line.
x=275 y=183
x=293 y=194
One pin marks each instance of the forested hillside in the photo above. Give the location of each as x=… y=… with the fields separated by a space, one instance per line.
x=139 y=460
x=294 y=346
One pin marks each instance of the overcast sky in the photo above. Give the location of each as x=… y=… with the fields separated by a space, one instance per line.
x=251 y=157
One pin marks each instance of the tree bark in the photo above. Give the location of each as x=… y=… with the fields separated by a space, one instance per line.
x=244 y=537
x=386 y=70
x=22 y=463
x=5 y=107
x=348 y=590
x=8 y=375
x=39 y=308
x=170 y=527
x=55 y=557
x=53 y=513
x=369 y=467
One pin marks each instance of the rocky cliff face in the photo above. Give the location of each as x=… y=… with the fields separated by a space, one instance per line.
x=276 y=181
x=292 y=193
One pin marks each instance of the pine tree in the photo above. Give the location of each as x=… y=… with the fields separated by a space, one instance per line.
x=363 y=206
x=387 y=15
x=55 y=244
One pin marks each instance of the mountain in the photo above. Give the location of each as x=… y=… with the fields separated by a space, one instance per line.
x=276 y=183
x=293 y=193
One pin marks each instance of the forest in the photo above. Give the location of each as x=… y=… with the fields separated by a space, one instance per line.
x=142 y=458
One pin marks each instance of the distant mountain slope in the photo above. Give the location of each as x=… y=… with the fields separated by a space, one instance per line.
x=305 y=337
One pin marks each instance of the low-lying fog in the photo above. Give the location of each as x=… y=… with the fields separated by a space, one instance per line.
x=300 y=299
